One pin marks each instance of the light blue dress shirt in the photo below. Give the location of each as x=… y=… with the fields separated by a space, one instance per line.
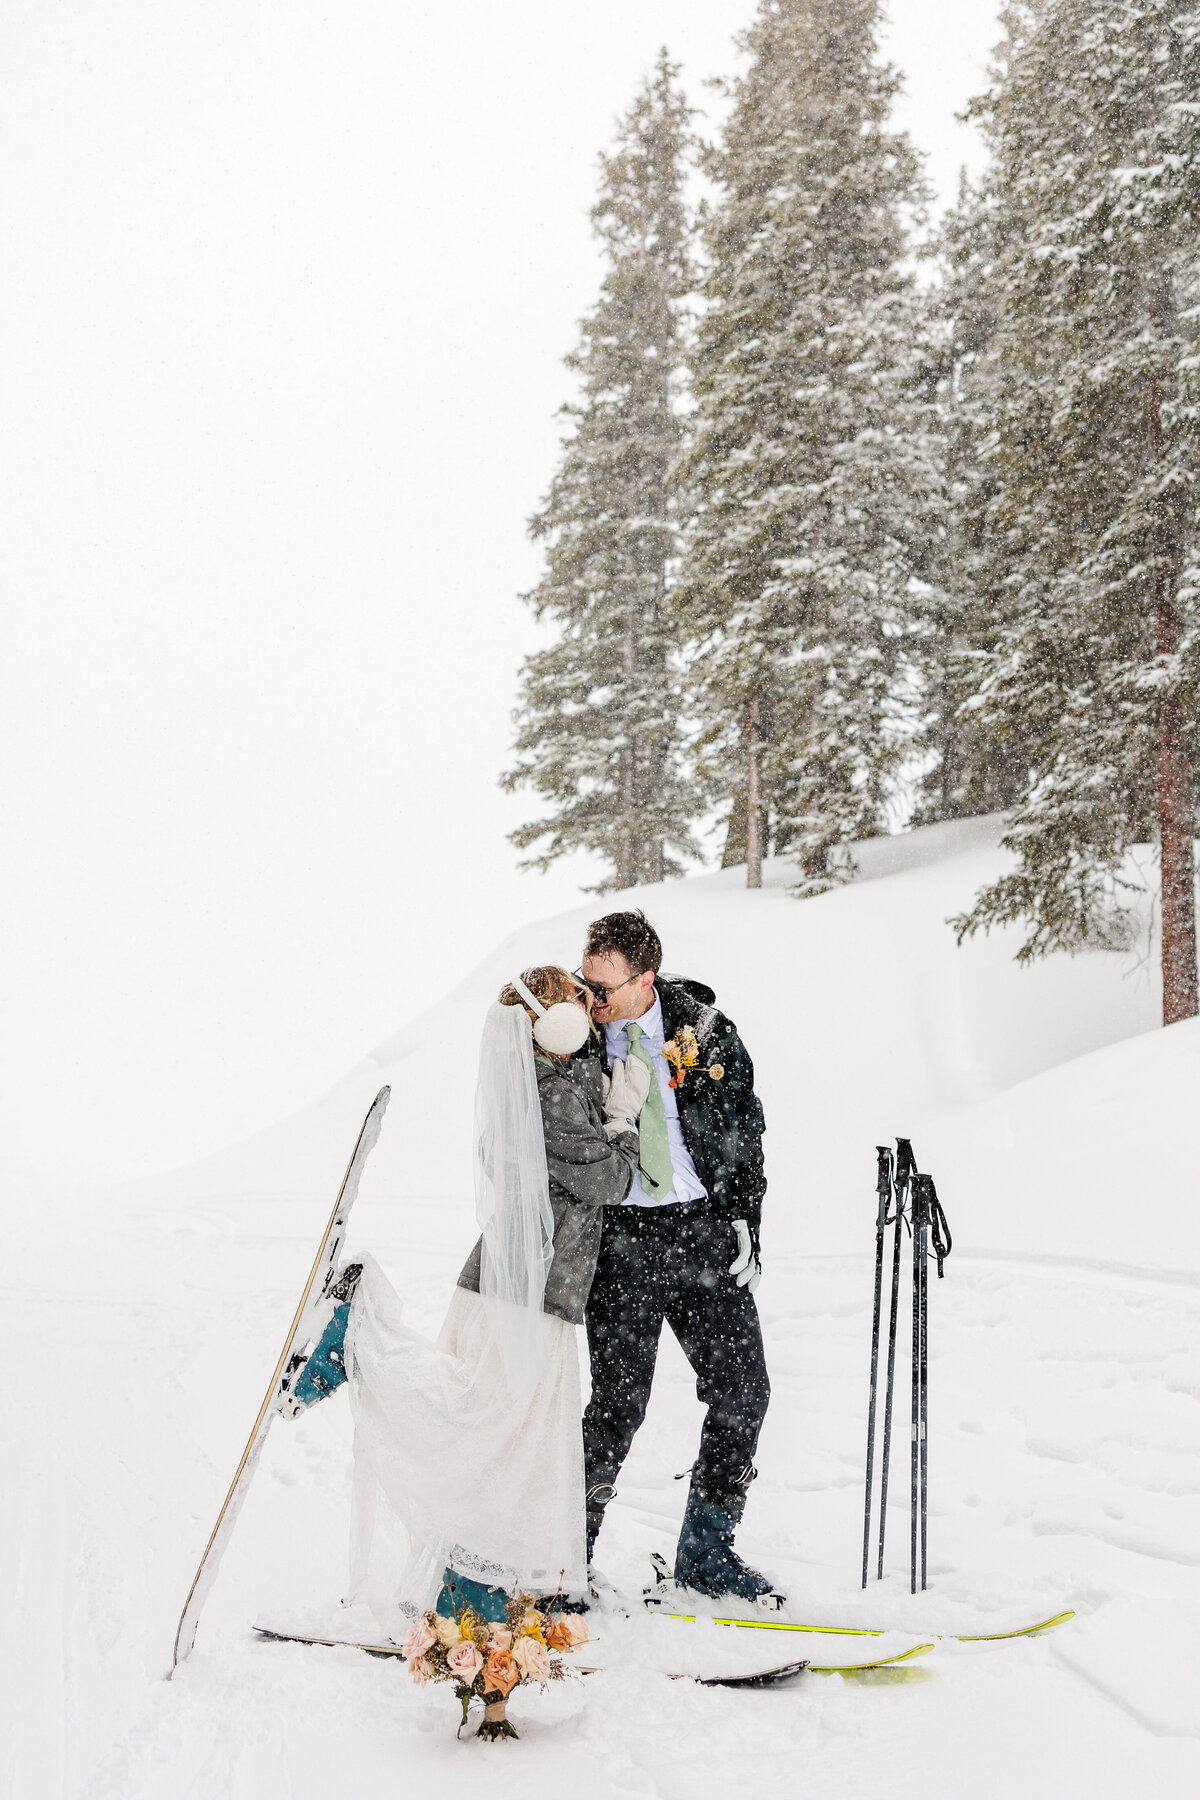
x=688 y=1185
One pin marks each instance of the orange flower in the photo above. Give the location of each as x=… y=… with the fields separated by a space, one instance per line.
x=500 y=1674
x=558 y=1636
x=683 y=1053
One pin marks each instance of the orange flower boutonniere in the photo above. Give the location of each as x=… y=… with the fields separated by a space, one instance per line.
x=683 y=1053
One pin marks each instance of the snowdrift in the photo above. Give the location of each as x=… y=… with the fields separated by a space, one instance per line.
x=1020 y=1087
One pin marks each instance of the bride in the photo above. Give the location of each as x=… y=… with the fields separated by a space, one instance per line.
x=468 y=1453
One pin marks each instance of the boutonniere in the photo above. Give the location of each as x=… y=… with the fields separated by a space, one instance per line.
x=683 y=1053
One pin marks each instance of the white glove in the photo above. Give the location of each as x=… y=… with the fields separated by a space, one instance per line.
x=627 y=1090
x=745 y=1264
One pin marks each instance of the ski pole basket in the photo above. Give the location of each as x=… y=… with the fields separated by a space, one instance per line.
x=906 y=1200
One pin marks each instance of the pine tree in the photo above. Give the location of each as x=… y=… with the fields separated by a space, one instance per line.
x=964 y=608
x=1095 y=133
x=812 y=482
x=598 y=720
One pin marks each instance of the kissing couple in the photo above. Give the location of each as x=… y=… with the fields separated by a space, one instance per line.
x=618 y=1184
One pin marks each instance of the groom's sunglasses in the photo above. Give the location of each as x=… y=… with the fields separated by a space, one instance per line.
x=597 y=988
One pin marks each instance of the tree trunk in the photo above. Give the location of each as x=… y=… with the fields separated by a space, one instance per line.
x=754 y=806
x=1175 y=811
x=627 y=848
x=1178 y=874
x=735 y=833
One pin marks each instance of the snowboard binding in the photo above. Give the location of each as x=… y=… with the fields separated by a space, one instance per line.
x=313 y=1374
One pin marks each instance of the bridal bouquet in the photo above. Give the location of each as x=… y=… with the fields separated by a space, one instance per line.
x=486 y=1662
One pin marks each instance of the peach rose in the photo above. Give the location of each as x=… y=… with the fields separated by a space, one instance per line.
x=532 y=1658
x=417 y=1640
x=558 y=1637
x=464 y=1661
x=500 y=1674
x=447 y=1631
x=577 y=1629
x=421 y=1670
x=501 y=1637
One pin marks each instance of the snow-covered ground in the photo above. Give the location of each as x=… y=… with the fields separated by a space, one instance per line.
x=1064 y=1390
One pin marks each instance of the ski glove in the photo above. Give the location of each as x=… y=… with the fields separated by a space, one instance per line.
x=746 y=1265
x=627 y=1090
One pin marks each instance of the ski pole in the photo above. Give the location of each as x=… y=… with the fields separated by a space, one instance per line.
x=904 y=1169
x=883 y=1190
x=915 y=1464
x=927 y=1211
x=935 y=1230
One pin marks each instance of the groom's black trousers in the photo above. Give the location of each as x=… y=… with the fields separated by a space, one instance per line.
x=672 y=1263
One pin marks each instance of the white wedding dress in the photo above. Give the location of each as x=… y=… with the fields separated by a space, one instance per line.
x=468 y=1453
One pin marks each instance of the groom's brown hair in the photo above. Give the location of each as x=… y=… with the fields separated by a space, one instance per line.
x=631 y=935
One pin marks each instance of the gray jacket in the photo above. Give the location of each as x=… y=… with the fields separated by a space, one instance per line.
x=587 y=1171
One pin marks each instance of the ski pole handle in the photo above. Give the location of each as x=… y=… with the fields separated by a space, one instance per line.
x=883 y=1186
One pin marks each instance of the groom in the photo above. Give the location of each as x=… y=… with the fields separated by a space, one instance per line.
x=683 y=1248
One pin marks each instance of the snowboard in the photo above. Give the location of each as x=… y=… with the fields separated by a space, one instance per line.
x=658 y=1600
x=754 y=1678
x=320 y=1278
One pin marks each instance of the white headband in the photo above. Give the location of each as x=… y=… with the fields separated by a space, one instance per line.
x=527 y=994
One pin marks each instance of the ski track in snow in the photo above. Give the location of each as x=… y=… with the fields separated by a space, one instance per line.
x=1064 y=1412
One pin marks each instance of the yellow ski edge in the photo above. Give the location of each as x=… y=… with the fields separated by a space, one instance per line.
x=767 y=1624
x=983 y=1637
x=994 y=1637
x=881 y=1662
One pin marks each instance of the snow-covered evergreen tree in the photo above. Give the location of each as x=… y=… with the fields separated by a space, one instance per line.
x=598 y=730
x=964 y=607
x=812 y=481
x=1095 y=132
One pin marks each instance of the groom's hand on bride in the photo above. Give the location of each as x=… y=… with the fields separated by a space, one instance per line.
x=627 y=1090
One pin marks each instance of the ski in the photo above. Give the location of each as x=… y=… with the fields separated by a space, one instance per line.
x=754 y=1678
x=876 y=1662
x=761 y=1678
x=656 y=1600
x=299 y=1333
x=955 y=1637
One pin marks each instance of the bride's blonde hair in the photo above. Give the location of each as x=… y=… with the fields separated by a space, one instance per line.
x=550 y=984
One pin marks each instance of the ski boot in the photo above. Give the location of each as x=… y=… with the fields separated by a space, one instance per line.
x=460 y=1594
x=313 y=1375
x=706 y=1560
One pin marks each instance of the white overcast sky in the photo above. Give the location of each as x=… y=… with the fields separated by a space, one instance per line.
x=284 y=291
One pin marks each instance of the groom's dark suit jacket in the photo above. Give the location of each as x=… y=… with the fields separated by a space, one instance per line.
x=722 y=1120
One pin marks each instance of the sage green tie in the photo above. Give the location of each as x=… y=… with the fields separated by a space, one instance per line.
x=654 y=1149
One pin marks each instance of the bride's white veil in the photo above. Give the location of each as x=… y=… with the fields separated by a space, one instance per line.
x=512 y=1193
x=468 y=1452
